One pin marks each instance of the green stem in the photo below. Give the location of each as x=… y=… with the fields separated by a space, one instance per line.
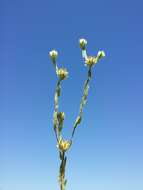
x=62 y=180
x=57 y=94
x=83 y=102
x=62 y=156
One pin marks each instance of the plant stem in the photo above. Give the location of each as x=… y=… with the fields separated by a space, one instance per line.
x=83 y=102
x=62 y=180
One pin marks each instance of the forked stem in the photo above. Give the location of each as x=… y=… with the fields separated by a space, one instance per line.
x=58 y=117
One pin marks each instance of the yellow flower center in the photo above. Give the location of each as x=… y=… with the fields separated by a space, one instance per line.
x=90 y=60
x=62 y=73
x=64 y=145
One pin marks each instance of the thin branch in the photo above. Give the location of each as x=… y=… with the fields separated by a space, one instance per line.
x=83 y=102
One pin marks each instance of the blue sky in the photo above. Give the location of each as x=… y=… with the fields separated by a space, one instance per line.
x=107 y=153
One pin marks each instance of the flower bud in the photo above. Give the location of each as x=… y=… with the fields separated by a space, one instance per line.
x=64 y=145
x=82 y=43
x=53 y=55
x=100 y=54
x=62 y=73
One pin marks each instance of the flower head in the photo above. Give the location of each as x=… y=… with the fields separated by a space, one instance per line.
x=100 y=54
x=53 y=55
x=90 y=60
x=82 y=43
x=62 y=73
x=64 y=145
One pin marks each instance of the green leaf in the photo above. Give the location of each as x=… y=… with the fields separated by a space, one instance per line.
x=78 y=120
x=55 y=120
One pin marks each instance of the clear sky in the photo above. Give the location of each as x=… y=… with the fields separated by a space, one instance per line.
x=107 y=153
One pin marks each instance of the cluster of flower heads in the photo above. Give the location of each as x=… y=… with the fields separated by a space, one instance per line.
x=62 y=73
x=90 y=60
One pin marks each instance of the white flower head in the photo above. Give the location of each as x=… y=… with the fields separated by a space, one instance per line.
x=82 y=43
x=100 y=54
x=53 y=54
